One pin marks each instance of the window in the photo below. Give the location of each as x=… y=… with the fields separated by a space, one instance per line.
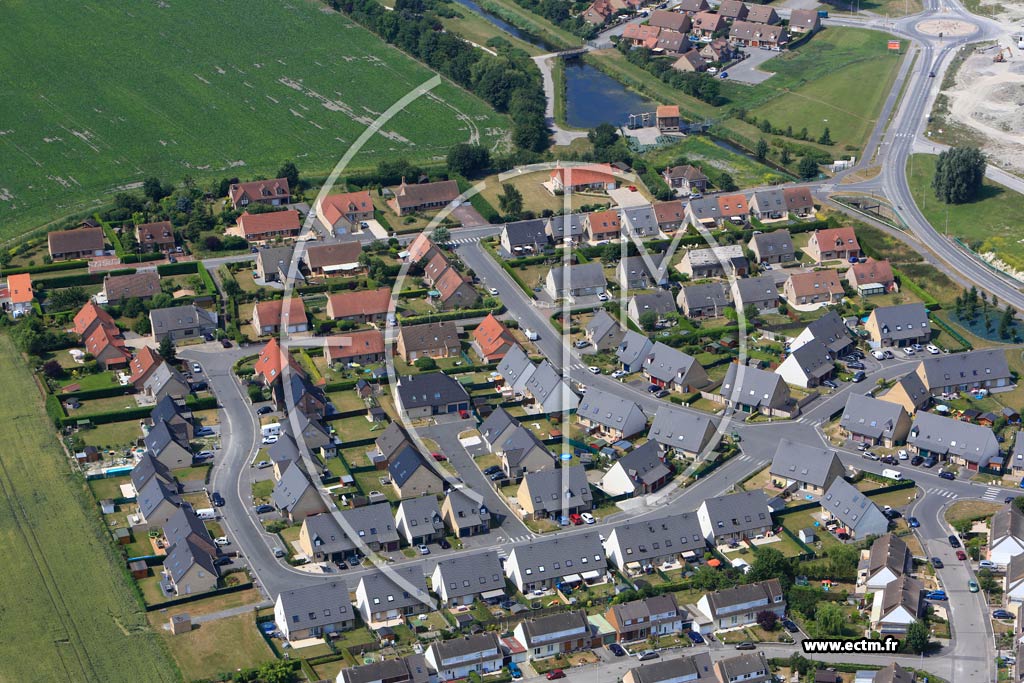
x=312 y=616
x=327 y=612
x=295 y=618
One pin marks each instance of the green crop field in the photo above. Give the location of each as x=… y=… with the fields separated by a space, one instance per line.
x=201 y=88
x=68 y=611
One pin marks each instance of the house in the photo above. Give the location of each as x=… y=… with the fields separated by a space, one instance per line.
x=908 y=391
x=644 y=35
x=90 y=317
x=336 y=259
x=708 y=300
x=753 y=34
x=429 y=340
x=314 y=611
x=832 y=244
x=491 y=339
x=364 y=347
x=421 y=249
x=670 y=215
x=734 y=517
x=666 y=115
x=676 y=670
x=642 y=271
x=168 y=446
x=660 y=303
x=602 y=226
x=703 y=210
x=633 y=350
x=603 y=331
x=190 y=569
x=855 y=512
x=947 y=439
x=409 y=199
x=408 y=669
x=707 y=24
x=831 y=331
x=799 y=201
x=582 y=178
x=174 y=413
x=733 y=9
x=515 y=369
x=524 y=237
x=469 y=577
x=1005 y=535
x=759 y=292
x=803 y=467
x=454 y=290
x=691 y=7
x=434 y=267
x=640 y=222
x=610 y=416
x=768 y=204
x=321 y=538
x=273 y=264
x=419 y=521
x=545 y=562
x=681 y=432
x=547 y=391
x=554 y=634
x=632 y=546
x=296 y=497
x=598 y=13
x=808 y=365
x=888 y=559
x=67 y=245
x=362 y=306
x=555 y=493
x=158 y=502
x=673 y=21
x=411 y=476
x=269 y=317
x=388 y=598
x=673 y=43
x=258 y=228
x=272 y=192
x=649 y=617
x=813 y=287
x=900 y=326
x=565 y=228
x=345 y=212
x=1013 y=580
x=639 y=472
x=714 y=262
x=874 y=422
x=804 y=21
x=762 y=14
x=184 y=525
x=750 y=390
x=670 y=368
x=165 y=382
x=456 y=658
x=271 y=361
x=739 y=606
x=749 y=667
x=772 y=247
x=871 y=277
x=433 y=393
x=117 y=288
x=142 y=365
x=718 y=50
x=970 y=371
x=569 y=282
x=155 y=237
x=733 y=207
x=107 y=346
x=465 y=514
x=687 y=179
x=518 y=448
x=181 y=322
x=897 y=606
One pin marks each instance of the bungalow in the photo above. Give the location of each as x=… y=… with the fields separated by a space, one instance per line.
x=363 y=306
x=833 y=244
x=670 y=215
x=643 y=35
x=610 y=416
x=418 y=520
x=799 y=201
x=411 y=475
x=804 y=21
x=273 y=264
x=733 y=207
x=735 y=517
x=262 y=227
x=582 y=178
x=961 y=443
x=181 y=322
x=856 y=513
x=641 y=471
x=389 y=598
x=364 y=347
x=568 y=229
x=635 y=546
x=648 y=617
x=772 y=247
x=681 y=432
x=155 y=237
x=603 y=331
x=673 y=21
x=971 y=371
x=524 y=237
x=699 y=264
x=491 y=339
x=554 y=493
x=465 y=514
x=429 y=340
x=633 y=350
x=762 y=14
x=67 y=245
x=569 y=282
x=640 y=222
x=750 y=390
x=897 y=606
x=768 y=204
x=871 y=277
x=1006 y=535
x=314 y=611
x=470 y=577
x=433 y=393
x=908 y=391
x=642 y=271
x=707 y=24
x=555 y=634
x=677 y=670
x=409 y=199
x=707 y=300
x=296 y=497
x=739 y=606
x=409 y=669
x=733 y=9
x=888 y=560
x=803 y=467
x=753 y=34
x=899 y=326
x=276 y=315
x=345 y=212
x=831 y=331
x=272 y=192
x=687 y=179
x=457 y=658
x=168 y=446
x=749 y=667
x=759 y=292
x=602 y=226
x=542 y=563
x=331 y=260
x=813 y=287
x=874 y=422
x=670 y=368
x=691 y=7
x=808 y=365
x=659 y=302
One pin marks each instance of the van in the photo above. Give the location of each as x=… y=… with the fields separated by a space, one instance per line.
x=206 y=514
x=531 y=335
x=892 y=474
x=273 y=429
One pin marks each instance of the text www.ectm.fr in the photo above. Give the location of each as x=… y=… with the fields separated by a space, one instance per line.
x=887 y=645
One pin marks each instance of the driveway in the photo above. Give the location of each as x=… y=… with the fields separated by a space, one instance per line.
x=748 y=71
x=468 y=216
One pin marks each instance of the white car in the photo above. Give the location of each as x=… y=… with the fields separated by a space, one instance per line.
x=587 y=517
x=268 y=440
x=197 y=368
x=493 y=291
x=903 y=454
x=424 y=550
x=222 y=540
x=619 y=373
x=594 y=369
x=908 y=351
x=932 y=349
x=602 y=297
x=878 y=355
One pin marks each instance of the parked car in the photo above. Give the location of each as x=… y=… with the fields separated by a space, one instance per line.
x=424 y=550
x=870 y=456
x=196 y=368
x=278 y=552
x=972 y=586
x=662 y=393
x=514 y=671
x=264 y=509
x=491 y=470
x=445 y=545
x=581 y=344
x=225 y=343
x=746 y=645
x=222 y=541
x=829 y=383
x=986 y=564
x=916 y=460
x=438 y=457
x=619 y=373
x=497 y=475
x=263 y=464
x=1001 y=614
x=908 y=351
x=555 y=674
x=855 y=365
x=790 y=626
x=594 y=369
x=902 y=454
x=937 y=563
x=930 y=461
x=587 y=518
x=695 y=637
x=859 y=376
x=879 y=355
x=602 y=297
x=947 y=475
x=913 y=523
x=954 y=542
x=221 y=561
x=493 y=291
x=575 y=519
x=464 y=414
x=218 y=500
x=647 y=655
x=932 y=349
x=617 y=649
x=269 y=440
x=653 y=388
x=961 y=555
x=264 y=410
x=939 y=596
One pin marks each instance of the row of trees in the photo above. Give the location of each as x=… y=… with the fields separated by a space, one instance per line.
x=704 y=87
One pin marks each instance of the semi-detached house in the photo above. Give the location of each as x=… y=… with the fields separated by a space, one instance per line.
x=562 y=559
x=457 y=658
x=554 y=634
x=476 y=576
x=739 y=606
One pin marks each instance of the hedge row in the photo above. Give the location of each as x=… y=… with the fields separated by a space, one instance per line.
x=82 y=279
x=205 y=403
x=929 y=301
x=105 y=392
x=181 y=268
x=453 y=315
x=49 y=267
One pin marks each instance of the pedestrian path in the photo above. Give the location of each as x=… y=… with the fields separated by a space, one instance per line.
x=464 y=240
x=991 y=493
x=519 y=539
x=942 y=493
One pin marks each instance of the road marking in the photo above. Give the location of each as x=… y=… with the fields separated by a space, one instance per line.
x=943 y=493
x=991 y=493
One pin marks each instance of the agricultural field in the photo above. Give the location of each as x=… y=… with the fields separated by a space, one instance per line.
x=227 y=97
x=59 y=631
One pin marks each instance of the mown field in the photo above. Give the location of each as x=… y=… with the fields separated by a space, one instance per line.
x=66 y=610
x=201 y=88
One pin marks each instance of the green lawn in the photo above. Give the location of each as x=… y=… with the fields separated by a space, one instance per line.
x=167 y=102
x=989 y=224
x=217 y=647
x=355 y=428
x=61 y=631
x=99 y=380
x=109 y=487
x=104 y=405
x=744 y=171
x=112 y=435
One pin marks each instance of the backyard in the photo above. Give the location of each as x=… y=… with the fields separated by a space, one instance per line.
x=216 y=647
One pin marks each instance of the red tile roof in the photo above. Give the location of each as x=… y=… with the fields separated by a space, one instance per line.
x=667 y=110
x=73 y=241
x=159 y=233
x=269 y=312
x=103 y=338
x=260 y=190
x=351 y=344
x=602 y=222
x=491 y=336
x=362 y=303
x=337 y=206
x=730 y=205
x=420 y=247
x=145 y=360
x=831 y=239
x=584 y=175
x=257 y=224
x=816 y=282
x=90 y=314
x=20 y=287
x=450 y=282
x=270 y=361
x=669 y=212
x=872 y=271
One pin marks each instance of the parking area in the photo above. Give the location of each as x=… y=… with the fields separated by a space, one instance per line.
x=749 y=71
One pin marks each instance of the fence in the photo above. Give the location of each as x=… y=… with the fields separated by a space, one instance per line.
x=951 y=332
x=199 y=596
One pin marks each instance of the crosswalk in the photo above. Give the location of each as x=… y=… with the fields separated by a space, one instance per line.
x=991 y=493
x=743 y=458
x=942 y=493
x=519 y=539
x=464 y=240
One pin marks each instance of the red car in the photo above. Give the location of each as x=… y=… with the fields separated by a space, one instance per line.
x=438 y=457
x=555 y=674
x=464 y=414
x=575 y=519
x=961 y=555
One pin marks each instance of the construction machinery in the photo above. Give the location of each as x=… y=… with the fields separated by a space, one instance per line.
x=1003 y=55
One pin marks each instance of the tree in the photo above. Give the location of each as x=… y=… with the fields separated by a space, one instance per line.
x=142 y=326
x=769 y=563
x=826 y=137
x=426 y=363
x=510 y=201
x=762 y=149
x=1018 y=503
x=829 y=620
x=767 y=620
x=167 y=350
x=766 y=126
x=468 y=160
x=802 y=135
x=65 y=299
x=958 y=174
x=918 y=636
x=804 y=599
x=610 y=253
x=784 y=157
x=212 y=243
x=808 y=167
x=154 y=189
x=648 y=321
x=53 y=369
x=441 y=235
x=603 y=136
x=276 y=672
x=290 y=172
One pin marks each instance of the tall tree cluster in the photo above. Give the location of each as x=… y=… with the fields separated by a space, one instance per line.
x=958 y=175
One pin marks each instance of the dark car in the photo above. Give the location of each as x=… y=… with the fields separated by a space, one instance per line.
x=217 y=499
x=1008 y=499
x=930 y=462
x=916 y=460
x=444 y=544
x=830 y=384
x=746 y=645
x=617 y=649
x=859 y=376
x=263 y=509
x=225 y=343
x=1001 y=614
x=264 y=410
x=695 y=637
x=492 y=469
x=912 y=521
x=961 y=555
x=855 y=365
x=340 y=564
x=221 y=561
x=662 y=393
x=790 y=626
x=653 y=388
x=496 y=476
x=954 y=542
x=937 y=563
x=555 y=674
x=889 y=460
x=947 y=475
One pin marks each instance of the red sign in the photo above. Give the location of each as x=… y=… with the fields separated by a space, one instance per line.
x=894 y=45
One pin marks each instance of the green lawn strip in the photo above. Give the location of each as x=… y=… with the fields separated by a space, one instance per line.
x=531 y=23
x=217 y=647
x=112 y=435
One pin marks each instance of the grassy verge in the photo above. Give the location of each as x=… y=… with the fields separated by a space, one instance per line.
x=531 y=23
x=60 y=631
x=217 y=647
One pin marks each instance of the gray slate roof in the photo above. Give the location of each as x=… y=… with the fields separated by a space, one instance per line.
x=526 y=233
x=907 y=321
x=660 y=302
x=633 y=347
x=407 y=463
x=676 y=533
x=830 y=330
x=983 y=365
x=757 y=290
x=168 y=320
x=640 y=220
x=579 y=276
x=383 y=593
x=553 y=558
x=153 y=494
x=805 y=463
x=853 y=508
x=316 y=605
x=748 y=385
x=422 y=515
x=939 y=434
x=471 y=574
x=705 y=295
x=612 y=411
x=691 y=667
x=290 y=488
x=148 y=467
x=681 y=429
x=870 y=417
x=729 y=600
x=601 y=325
x=430 y=389
x=666 y=363
x=644 y=464
x=184 y=556
x=562 y=227
x=738 y=513
x=551 y=490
